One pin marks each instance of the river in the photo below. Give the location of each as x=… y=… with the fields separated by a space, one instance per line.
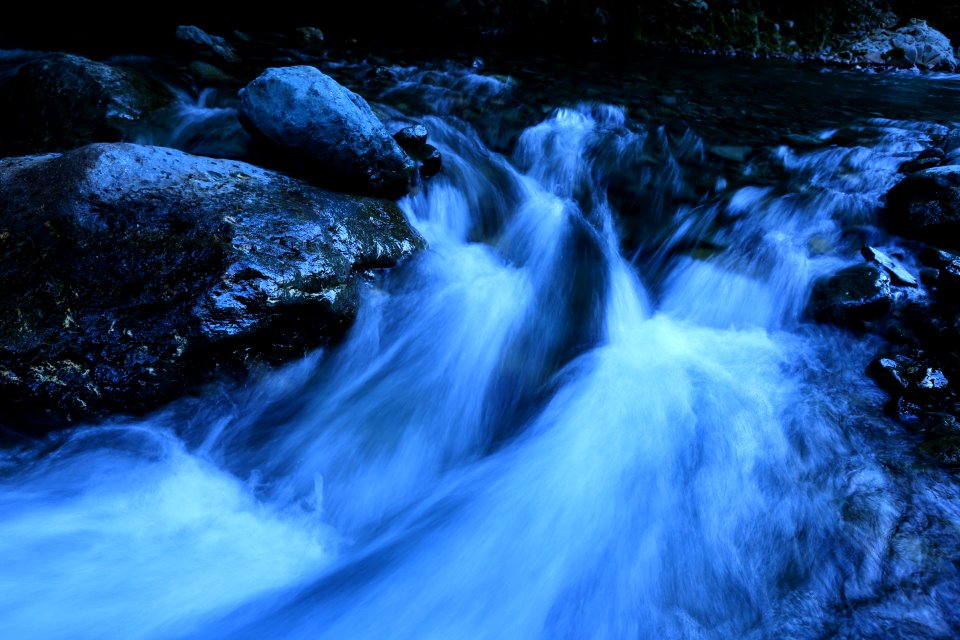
x=593 y=408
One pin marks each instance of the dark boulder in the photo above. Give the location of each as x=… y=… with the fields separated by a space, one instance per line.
x=852 y=297
x=129 y=272
x=411 y=138
x=333 y=130
x=64 y=101
x=309 y=39
x=926 y=205
x=197 y=42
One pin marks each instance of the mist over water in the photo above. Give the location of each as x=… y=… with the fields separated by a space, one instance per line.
x=532 y=430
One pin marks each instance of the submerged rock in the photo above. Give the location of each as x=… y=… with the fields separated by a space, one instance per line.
x=63 y=101
x=926 y=205
x=128 y=272
x=305 y=112
x=852 y=297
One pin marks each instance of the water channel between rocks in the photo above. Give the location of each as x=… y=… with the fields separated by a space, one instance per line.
x=594 y=407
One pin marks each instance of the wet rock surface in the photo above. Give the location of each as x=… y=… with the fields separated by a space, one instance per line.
x=413 y=140
x=897 y=272
x=131 y=272
x=926 y=205
x=307 y=114
x=63 y=101
x=854 y=297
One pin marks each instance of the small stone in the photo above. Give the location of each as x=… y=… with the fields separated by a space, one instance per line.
x=411 y=138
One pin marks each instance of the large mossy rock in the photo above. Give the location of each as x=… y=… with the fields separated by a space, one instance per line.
x=128 y=273
x=926 y=205
x=308 y=114
x=63 y=101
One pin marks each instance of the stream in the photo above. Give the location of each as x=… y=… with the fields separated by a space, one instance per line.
x=594 y=407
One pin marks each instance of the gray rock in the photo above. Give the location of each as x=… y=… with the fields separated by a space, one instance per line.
x=413 y=140
x=852 y=297
x=304 y=111
x=128 y=272
x=915 y=45
x=63 y=101
x=897 y=271
x=198 y=42
x=926 y=205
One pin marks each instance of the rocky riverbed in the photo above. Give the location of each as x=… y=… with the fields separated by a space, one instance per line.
x=305 y=336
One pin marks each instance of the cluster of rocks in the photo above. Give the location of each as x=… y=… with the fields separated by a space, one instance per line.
x=916 y=45
x=129 y=273
x=918 y=313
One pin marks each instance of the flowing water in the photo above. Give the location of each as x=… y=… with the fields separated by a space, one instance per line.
x=593 y=408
